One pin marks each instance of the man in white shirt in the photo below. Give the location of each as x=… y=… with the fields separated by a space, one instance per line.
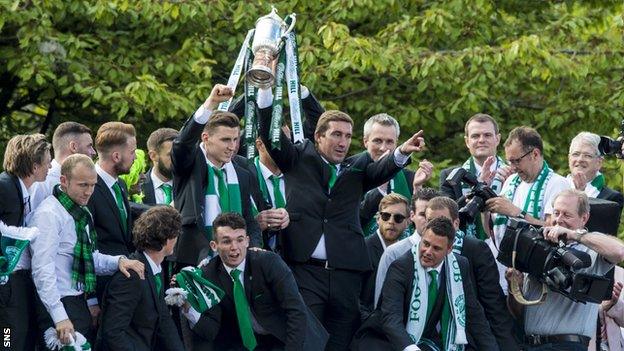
x=65 y=259
x=69 y=138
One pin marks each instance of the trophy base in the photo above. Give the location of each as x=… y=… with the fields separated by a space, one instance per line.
x=262 y=72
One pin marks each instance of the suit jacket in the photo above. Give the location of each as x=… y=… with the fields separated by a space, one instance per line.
x=390 y=317
x=484 y=274
x=189 y=188
x=273 y=299
x=612 y=195
x=147 y=188
x=112 y=239
x=454 y=192
x=370 y=204
x=334 y=214
x=367 y=295
x=135 y=316
x=11 y=200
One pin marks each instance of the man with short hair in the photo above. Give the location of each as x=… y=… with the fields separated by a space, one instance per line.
x=65 y=259
x=324 y=243
x=134 y=313
x=419 y=205
x=206 y=182
x=560 y=323
x=158 y=185
x=527 y=194
x=427 y=300
x=391 y=222
x=381 y=135
x=26 y=161
x=585 y=162
x=261 y=307
x=69 y=138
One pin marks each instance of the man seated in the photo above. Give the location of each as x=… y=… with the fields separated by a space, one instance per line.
x=558 y=323
x=427 y=301
x=261 y=308
x=134 y=315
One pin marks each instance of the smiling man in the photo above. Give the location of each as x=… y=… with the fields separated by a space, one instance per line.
x=206 y=182
x=585 y=162
x=261 y=308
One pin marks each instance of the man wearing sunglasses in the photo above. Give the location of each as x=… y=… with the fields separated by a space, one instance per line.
x=529 y=192
x=391 y=222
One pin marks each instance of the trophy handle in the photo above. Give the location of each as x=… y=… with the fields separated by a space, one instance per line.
x=292 y=25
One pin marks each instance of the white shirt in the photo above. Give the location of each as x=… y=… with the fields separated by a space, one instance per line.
x=393 y=252
x=108 y=179
x=24 y=260
x=266 y=174
x=383 y=243
x=41 y=190
x=156 y=268
x=159 y=193
x=438 y=268
x=53 y=257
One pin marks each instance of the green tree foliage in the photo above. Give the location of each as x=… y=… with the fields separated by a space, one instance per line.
x=555 y=65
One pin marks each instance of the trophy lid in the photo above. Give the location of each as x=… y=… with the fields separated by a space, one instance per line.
x=273 y=16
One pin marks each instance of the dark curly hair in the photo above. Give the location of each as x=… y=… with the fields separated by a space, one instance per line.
x=155 y=226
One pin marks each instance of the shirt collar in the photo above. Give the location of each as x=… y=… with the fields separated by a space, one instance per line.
x=25 y=193
x=107 y=178
x=414 y=238
x=266 y=173
x=157 y=182
x=437 y=268
x=155 y=267
x=383 y=243
x=210 y=164
x=240 y=267
x=337 y=165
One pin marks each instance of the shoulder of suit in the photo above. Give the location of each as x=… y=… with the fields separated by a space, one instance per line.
x=448 y=170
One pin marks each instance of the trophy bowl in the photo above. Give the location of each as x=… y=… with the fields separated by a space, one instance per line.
x=270 y=32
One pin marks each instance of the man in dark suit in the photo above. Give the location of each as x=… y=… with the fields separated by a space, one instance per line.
x=134 y=313
x=158 y=185
x=261 y=308
x=26 y=160
x=392 y=221
x=381 y=134
x=484 y=274
x=205 y=180
x=482 y=138
x=324 y=243
x=394 y=324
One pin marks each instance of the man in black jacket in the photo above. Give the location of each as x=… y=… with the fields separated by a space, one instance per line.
x=324 y=243
x=205 y=180
x=134 y=314
x=261 y=308
x=158 y=185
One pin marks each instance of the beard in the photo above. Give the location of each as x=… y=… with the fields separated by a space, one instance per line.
x=121 y=169
x=164 y=171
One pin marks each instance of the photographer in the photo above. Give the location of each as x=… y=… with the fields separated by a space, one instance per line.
x=560 y=323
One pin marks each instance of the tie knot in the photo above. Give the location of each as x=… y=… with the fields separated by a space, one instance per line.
x=433 y=274
x=235 y=273
x=218 y=171
x=165 y=186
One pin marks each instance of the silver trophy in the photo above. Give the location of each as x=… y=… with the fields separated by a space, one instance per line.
x=271 y=30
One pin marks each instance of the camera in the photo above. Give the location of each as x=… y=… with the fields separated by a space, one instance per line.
x=552 y=263
x=475 y=199
x=611 y=147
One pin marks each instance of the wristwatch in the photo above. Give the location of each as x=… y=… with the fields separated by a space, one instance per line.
x=579 y=234
x=522 y=214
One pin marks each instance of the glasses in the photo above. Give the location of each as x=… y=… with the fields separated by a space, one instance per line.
x=516 y=161
x=583 y=156
x=398 y=218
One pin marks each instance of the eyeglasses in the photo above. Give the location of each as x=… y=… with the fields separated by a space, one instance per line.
x=516 y=161
x=398 y=218
x=583 y=156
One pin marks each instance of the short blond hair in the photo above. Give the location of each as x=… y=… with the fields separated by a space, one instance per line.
x=23 y=152
x=113 y=134
x=394 y=199
x=72 y=161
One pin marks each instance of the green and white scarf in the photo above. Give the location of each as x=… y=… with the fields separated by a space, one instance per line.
x=534 y=203
x=52 y=341
x=222 y=196
x=593 y=188
x=398 y=184
x=201 y=293
x=453 y=334
x=13 y=242
x=83 y=269
x=476 y=229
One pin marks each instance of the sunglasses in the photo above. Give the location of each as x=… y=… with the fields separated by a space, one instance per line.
x=398 y=218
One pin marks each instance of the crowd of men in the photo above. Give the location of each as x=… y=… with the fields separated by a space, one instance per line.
x=303 y=247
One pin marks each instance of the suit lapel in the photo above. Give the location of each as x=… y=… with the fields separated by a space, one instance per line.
x=148 y=189
x=106 y=193
x=20 y=196
x=248 y=279
x=150 y=278
x=124 y=195
x=225 y=279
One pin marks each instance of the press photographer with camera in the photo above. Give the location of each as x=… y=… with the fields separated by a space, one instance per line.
x=559 y=322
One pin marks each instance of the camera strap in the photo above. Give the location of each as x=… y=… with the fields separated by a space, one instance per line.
x=514 y=283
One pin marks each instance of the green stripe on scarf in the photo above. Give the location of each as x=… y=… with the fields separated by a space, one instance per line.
x=13 y=242
x=202 y=293
x=226 y=199
x=83 y=269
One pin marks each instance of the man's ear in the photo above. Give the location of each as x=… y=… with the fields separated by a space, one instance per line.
x=72 y=146
x=213 y=245
x=153 y=155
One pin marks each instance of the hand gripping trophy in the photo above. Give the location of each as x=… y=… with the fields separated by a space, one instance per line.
x=270 y=59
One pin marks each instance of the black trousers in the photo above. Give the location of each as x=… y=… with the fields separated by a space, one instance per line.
x=19 y=308
x=78 y=313
x=333 y=297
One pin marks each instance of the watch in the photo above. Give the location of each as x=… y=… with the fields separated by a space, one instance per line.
x=522 y=214
x=579 y=234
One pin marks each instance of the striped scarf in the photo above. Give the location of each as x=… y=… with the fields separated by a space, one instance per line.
x=202 y=294
x=13 y=242
x=83 y=269
x=593 y=188
x=222 y=194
